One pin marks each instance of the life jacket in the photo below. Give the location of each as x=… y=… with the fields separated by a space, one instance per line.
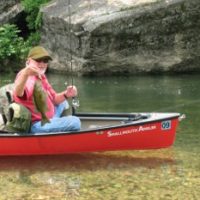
x=16 y=117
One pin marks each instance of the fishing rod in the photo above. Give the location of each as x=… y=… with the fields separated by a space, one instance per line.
x=75 y=101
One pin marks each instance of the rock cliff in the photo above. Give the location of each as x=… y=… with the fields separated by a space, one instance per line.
x=123 y=36
x=9 y=9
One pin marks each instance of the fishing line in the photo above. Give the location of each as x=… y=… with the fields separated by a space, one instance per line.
x=75 y=101
x=70 y=38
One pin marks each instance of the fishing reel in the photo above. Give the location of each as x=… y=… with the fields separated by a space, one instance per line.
x=75 y=105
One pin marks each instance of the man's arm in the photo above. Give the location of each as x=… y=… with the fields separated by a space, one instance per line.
x=71 y=91
x=20 y=83
x=31 y=69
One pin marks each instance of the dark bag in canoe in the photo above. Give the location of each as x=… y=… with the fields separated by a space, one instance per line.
x=16 y=117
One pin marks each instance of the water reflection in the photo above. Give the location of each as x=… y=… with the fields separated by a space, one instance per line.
x=144 y=93
x=82 y=162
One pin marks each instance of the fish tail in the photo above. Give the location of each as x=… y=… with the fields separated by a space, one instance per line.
x=44 y=120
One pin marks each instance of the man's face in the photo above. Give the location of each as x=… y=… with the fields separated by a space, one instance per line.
x=42 y=64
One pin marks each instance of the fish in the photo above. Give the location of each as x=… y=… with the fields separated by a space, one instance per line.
x=39 y=99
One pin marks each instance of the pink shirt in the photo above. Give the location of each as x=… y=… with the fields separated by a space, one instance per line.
x=27 y=98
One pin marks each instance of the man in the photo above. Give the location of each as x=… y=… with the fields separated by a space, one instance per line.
x=36 y=65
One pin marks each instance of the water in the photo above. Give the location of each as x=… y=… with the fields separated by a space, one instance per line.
x=171 y=173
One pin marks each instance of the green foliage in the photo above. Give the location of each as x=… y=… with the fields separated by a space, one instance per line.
x=33 y=39
x=14 y=48
x=11 y=45
x=32 y=8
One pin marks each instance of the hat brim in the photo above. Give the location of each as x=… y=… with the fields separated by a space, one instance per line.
x=41 y=57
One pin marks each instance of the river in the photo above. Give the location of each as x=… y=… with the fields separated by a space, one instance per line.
x=171 y=173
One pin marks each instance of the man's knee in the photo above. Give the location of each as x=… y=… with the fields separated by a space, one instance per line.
x=75 y=124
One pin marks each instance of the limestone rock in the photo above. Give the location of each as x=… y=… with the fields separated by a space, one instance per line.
x=9 y=9
x=123 y=36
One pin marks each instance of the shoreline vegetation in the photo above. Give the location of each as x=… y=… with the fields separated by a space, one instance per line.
x=14 y=44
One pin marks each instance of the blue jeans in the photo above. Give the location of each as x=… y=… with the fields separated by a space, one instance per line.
x=58 y=123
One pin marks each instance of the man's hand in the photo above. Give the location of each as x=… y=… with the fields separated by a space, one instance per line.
x=71 y=91
x=31 y=68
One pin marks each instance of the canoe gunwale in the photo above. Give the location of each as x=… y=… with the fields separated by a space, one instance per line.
x=99 y=116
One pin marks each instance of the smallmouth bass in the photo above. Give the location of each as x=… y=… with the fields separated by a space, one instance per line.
x=39 y=98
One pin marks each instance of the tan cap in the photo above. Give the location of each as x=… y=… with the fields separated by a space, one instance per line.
x=38 y=52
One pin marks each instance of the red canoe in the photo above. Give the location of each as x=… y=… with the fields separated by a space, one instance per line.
x=100 y=132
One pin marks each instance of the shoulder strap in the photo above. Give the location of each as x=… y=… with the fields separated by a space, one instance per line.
x=9 y=97
x=3 y=115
